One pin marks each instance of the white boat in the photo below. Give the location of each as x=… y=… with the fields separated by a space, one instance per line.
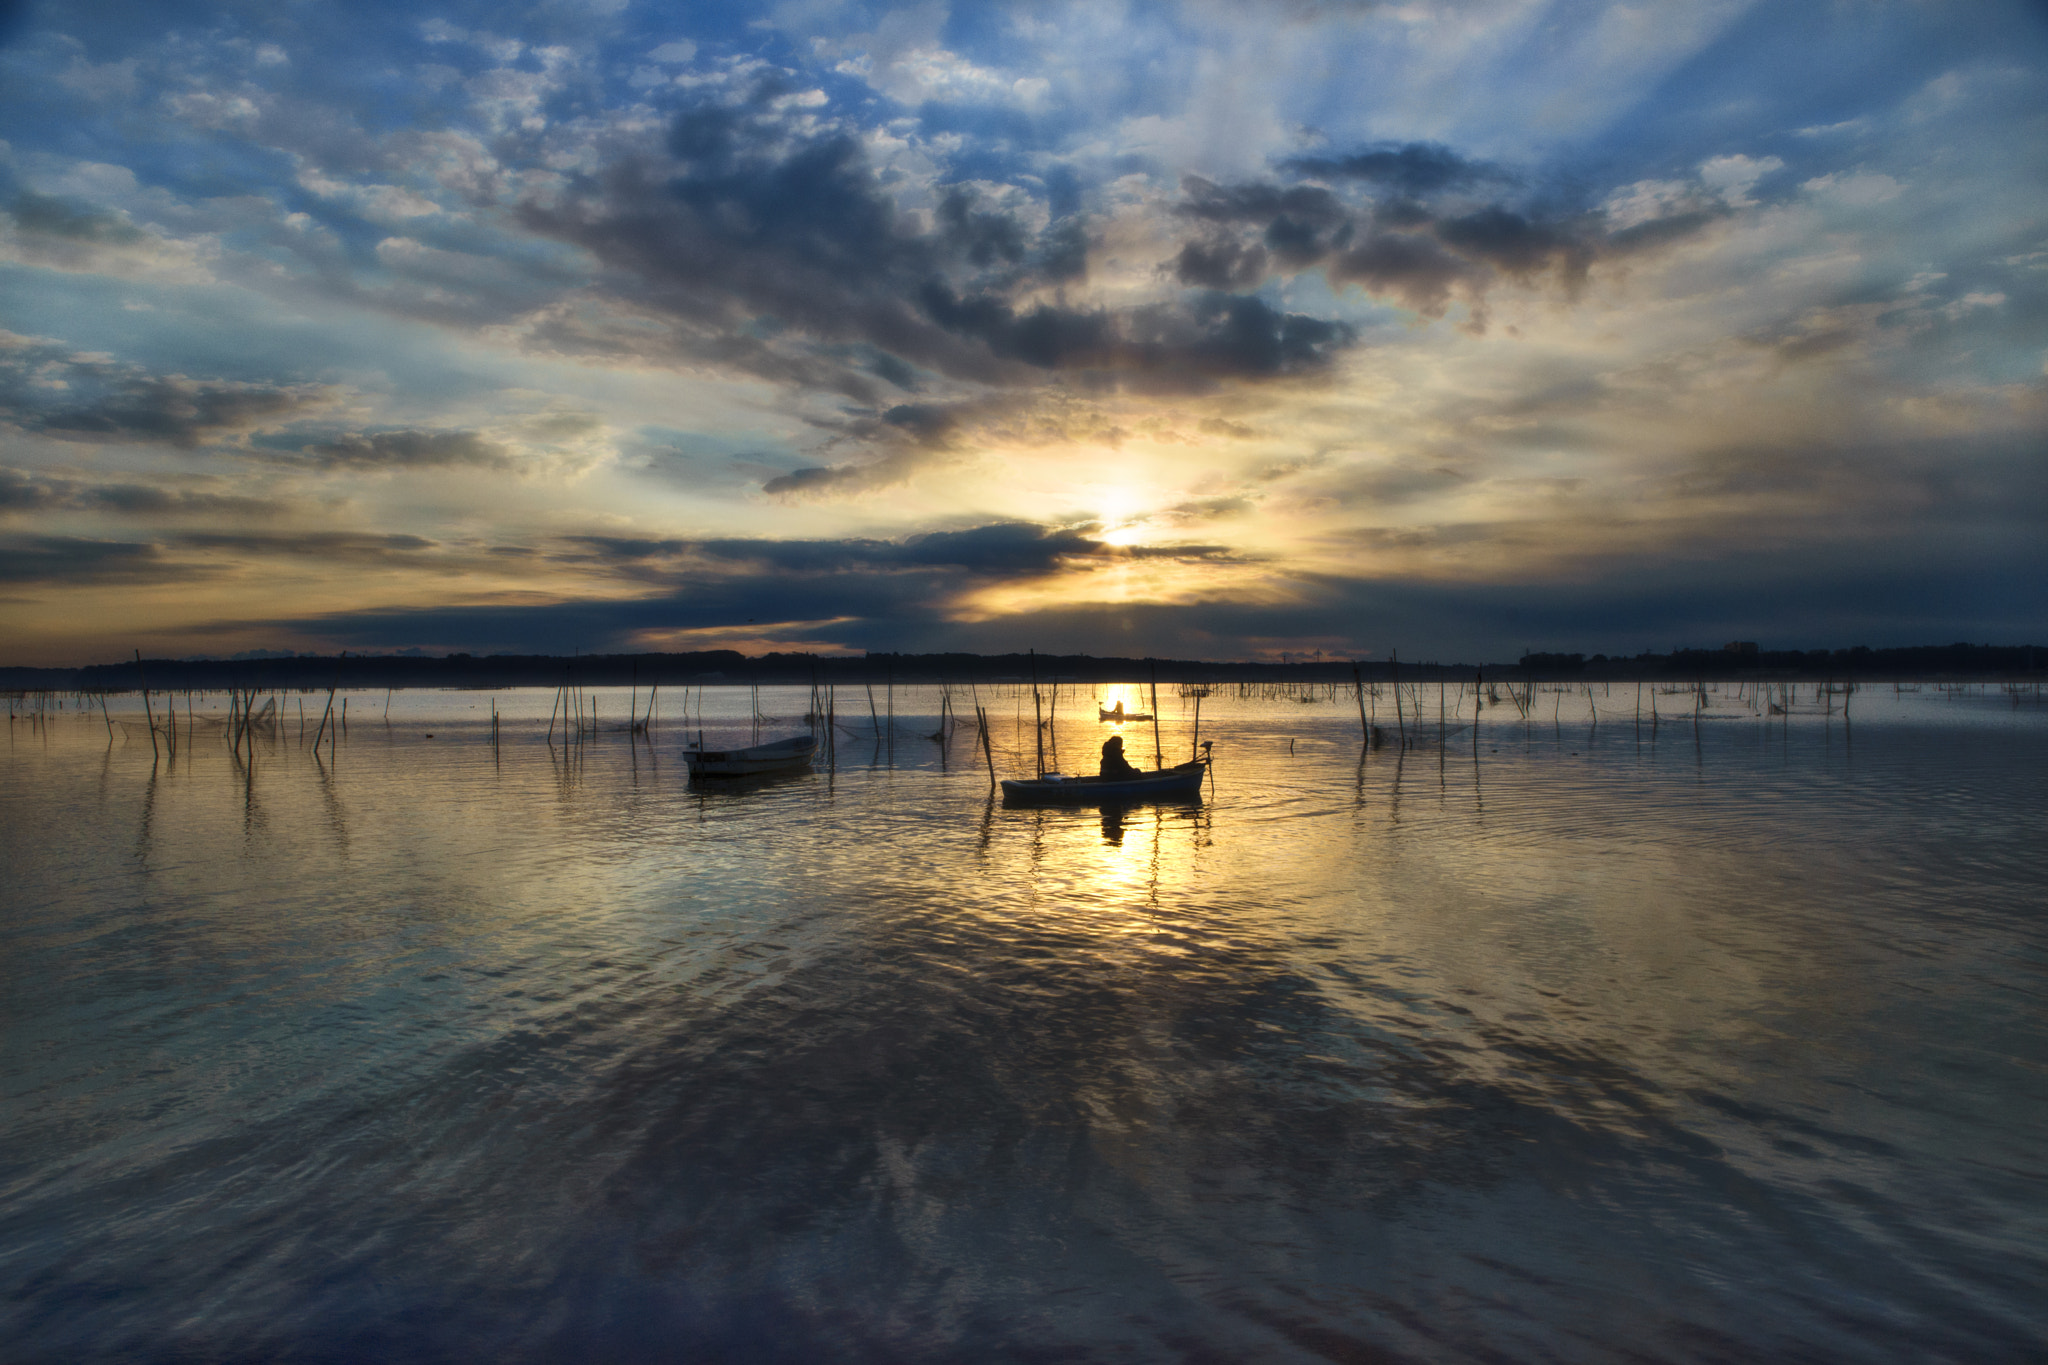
x=782 y=756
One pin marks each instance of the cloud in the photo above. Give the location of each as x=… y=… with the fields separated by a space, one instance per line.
x=770 y=248
x=411 y=450
x=48 y=216
x=70 y=235
x=28 y=491
x=176 y=411
x=1222 y=264
x=73 y=560
x=1411 y=267
x=1003 y=549
x=1733 y=177
x=1411 y=168
x=47 y=388
x=843 y=593
x=1000 y=549
x=946 y=562
x=1425 y=254
x=348 y=547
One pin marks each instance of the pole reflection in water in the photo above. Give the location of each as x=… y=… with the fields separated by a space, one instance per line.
x=474 y=1050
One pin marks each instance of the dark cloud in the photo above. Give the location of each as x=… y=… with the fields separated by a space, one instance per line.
x=999 y=549
x=747 y=231
x=411 y=450
x=1409 y=168
x=1519 y=246
x=1411 y=267
x=621 y=549
x=47 y=388
x=174 y=411
x=769 y=251
x=818 y=480
x=983 y=239
x=909 y=437
x=925 y=422
x=1210 y=338
x=1203 y=342
x=888 y=367
x=859 y=592
x=47 y=216
x=1419 y=253
x=1660 y=232
x=350 y=547
x=22 y=491
x=1260 y=202
x=943 y=562
x=1245 y=336
x=1220 y=263
x=81 y=560
x=1809 y=599
x=70 y=560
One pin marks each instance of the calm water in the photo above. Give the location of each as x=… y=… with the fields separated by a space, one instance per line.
x=1560 y=1043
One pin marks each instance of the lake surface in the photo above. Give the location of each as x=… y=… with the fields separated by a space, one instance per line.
x=1718 y=1041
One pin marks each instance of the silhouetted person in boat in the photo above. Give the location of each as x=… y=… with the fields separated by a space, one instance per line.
x=1117 y=710
x=1113 y=764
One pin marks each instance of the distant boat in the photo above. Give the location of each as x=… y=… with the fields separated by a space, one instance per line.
x=782 y=756
x=1168 y=784
x=1120 y=714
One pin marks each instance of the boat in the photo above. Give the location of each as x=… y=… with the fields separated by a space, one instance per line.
x=781 y=756
x=1182 y=783
x=1121 y=714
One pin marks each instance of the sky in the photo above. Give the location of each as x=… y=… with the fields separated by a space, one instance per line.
x=1200 y=330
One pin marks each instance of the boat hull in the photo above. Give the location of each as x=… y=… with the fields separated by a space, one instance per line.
x=783 y=756
x=1183 y=783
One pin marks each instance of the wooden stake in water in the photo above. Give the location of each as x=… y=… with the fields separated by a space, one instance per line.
x=1158 y=749
x=987 y=753
x=1394 y=671
x=1052 y=722
x=324 y=717
x=145 y=703
x=1037 y=715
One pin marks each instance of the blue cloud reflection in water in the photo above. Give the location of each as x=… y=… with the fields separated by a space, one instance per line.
x=1573 y=1046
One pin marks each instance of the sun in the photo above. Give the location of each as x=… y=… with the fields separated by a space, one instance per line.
x=1119 y=511
x=1130 y=533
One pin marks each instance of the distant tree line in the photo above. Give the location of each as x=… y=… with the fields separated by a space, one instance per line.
x=1743 y=658
x=351 y=670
